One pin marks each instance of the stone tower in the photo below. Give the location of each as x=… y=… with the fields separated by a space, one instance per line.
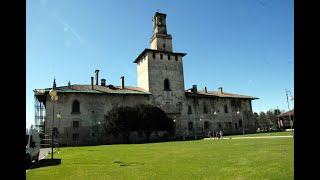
x=160 y=70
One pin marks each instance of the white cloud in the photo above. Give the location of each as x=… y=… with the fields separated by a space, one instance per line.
x=68 y=28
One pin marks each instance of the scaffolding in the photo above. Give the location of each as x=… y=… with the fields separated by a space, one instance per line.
x=40 y=111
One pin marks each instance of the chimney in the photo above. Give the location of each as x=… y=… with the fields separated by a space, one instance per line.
x=220 y=90
x=122 y=82
x=194 y=89
x=205 y=89
x=97 y=76
x=69 y=83
x=92 y=83
x=103 y=82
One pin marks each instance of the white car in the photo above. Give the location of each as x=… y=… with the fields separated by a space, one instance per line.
x=32 y=146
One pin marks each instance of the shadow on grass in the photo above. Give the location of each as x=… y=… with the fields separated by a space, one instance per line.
x=46 y=162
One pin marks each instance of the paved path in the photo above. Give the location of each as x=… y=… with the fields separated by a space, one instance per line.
x=256 y=137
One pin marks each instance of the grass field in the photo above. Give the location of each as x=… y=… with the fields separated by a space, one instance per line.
x=283 y=133
x=270 y=158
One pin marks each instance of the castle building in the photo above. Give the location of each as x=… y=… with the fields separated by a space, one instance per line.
x=160 y=80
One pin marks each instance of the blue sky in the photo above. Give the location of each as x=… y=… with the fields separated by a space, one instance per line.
x=246 y=47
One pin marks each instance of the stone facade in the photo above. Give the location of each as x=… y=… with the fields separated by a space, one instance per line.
x=161 y=83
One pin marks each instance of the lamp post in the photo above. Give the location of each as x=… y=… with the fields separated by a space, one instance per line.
x=291 y=98
x=238 y=112
x=174 y=123
x=202 y=127
x=99 y=132
x=54 y=97
x=214 y=113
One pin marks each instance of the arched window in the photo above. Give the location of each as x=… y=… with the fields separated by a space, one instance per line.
x=76 y=107
x=225 y=109
x=166 y=85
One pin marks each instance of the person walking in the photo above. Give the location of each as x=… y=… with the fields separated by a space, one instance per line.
x=221 y=137
x=218 y=135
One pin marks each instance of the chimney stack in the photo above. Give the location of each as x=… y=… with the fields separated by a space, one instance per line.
x=122 y=82
x=220 y=90
x=194 y=89
x=92 y=83
x=103 y=82
x=97 y=76
x=69 y=83
x=205 y=89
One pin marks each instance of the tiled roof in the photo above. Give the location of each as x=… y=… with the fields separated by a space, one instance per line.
x=99 y=89
x=216 y=94
x=287 y=114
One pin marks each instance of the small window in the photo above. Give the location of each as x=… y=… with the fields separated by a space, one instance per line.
x=161 y=56
x=225 y=109
x=240 y=123
x=76 y=107
x=205 y=110
x=236 y=125
x=75 y=124
x=206 y=125
x=75 y=136
x=189 y=110
x=168 y=57
x=153 y=55
x=229 y=124
x=176 y=57
x=217 y=99
x=166 y=85
x=219 y=124
x=164 y=45
x=190 y=126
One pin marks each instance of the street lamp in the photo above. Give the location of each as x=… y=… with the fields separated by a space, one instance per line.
x=54 y=97
x=99 y=132
x=291 y=98
x=214 y=113
x=238 y=112
x=202 y=127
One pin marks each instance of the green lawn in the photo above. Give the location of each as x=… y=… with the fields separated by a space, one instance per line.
x=283 y=133
x=203 y=159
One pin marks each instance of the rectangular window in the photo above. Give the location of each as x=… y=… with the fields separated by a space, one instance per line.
x=190 y=126
x=168 y=57
x=176 y=57
x=75 y=124
x=161 y=56
x=75 y=136
x=205 y=110
x=153 y=55
x=225 y=109
x=164 y=45
x=189 y=110
x=206 y=125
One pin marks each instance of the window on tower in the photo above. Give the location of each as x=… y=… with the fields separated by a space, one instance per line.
x=153 y=55
x=164 y=45
x=168 y=57
x=176 y=58
x=161 y=56
x=166 y=85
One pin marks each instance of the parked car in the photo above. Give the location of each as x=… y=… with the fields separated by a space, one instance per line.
x=32 y=146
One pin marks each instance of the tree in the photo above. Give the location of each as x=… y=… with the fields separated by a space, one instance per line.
x=271 y=119
x=256 y=120
x=263 y=120
x=152 y=119
x=121 y=120
x=141 y=118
